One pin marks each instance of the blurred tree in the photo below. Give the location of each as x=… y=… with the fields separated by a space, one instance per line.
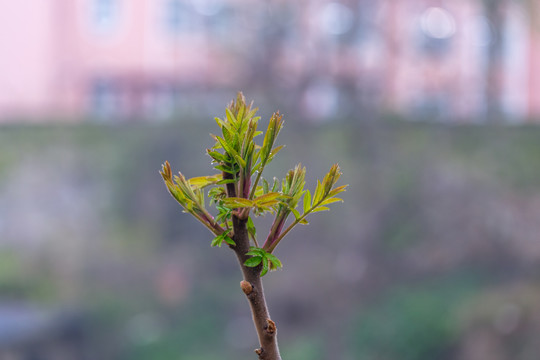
x=495 y=13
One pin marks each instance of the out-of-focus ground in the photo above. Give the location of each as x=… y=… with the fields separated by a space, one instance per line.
x=434 y=253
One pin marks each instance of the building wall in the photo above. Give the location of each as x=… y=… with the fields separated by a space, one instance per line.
x=74 y=58
x=27 y=57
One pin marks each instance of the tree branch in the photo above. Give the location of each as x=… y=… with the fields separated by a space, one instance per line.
x=253 y=289
x=231 y=189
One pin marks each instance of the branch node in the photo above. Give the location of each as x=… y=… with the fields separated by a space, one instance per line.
x=259 y=351
x=270 y=326
x=246 y=286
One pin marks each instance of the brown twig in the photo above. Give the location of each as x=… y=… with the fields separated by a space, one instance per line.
x=253 y=289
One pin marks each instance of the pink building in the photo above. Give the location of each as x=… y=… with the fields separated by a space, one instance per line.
x=432 y=59
x=70 y=59
x=73 y=58
x=435 y=58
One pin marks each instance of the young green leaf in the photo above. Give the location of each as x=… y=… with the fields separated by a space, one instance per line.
x=307 y=201
x=337 y=190
x=274 y=261
x=203 y=181
x=227 y=169
x=229 y=241
x=216 y=156
x=226 y=181
x=317 y=196
x=231 y=118
x=296 y=214
x=320 y=208
x=265 y=267
x=253 y=261
x=223 y=237
x=265 y=186
x=236 y=202
x=255 y=251
x=331 y=200
x=224 y=124
x=234 y=193
x=252 y=231
x=275 y=184
x=265 y=202
x=231 y=151
x=268 y=261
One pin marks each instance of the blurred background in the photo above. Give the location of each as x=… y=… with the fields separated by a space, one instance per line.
x=429 y=106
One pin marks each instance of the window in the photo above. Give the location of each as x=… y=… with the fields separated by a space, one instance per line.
x=222 y=24
x=179 y=16
x=159 y=101
x=104 y=14
x=104 y=99
x=438 y=27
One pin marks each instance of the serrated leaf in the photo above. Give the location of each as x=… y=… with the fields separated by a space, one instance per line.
x=231 y=118
x=232 y=152
x=217 y=156
x=255 y=251
x=275 y=185
x=216 y=241
x=221 y=217
x=253 y=261
x=274 y=152
x=307 y=201
x=251 y=228
x=217 y=144
x=265 y=267
x=222 y=208
x=259 y=191
x=239 y=160
x=228 y=135
x=203 y=181
x=296 y=214
x=166 y=171
x=229 y=241
x=240 y=116
x=236 y=202
x=268 y=198
x=337 y=190
x=200 y=197
x=318 y=192
x=265 y=186
x=255 y=161
x=274 y=260
x=175 y=191
x=331 y=200
x=224 y=124
x=320 y=208
x=224 y=168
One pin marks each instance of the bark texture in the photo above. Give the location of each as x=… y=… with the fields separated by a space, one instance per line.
x=253 y=289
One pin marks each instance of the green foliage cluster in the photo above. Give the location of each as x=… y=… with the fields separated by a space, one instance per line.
x=414 y=322
x=239 y=189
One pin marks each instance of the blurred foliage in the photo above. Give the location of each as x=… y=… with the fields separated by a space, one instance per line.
x=414 y=322
x=430 y=206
